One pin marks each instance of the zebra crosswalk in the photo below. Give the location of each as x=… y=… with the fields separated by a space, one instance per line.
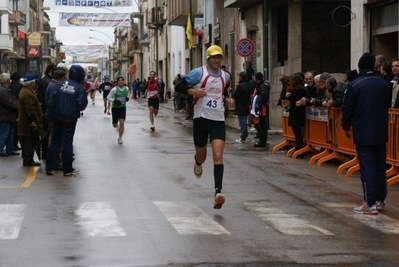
x=99 y=219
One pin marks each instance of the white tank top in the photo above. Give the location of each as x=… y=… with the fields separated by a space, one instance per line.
x=211 y=106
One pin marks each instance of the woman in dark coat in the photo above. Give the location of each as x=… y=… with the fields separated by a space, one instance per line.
x=296 y=117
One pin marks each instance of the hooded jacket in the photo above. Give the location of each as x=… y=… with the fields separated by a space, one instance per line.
x=69 y=97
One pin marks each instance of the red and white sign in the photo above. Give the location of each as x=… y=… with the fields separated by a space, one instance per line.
x=33 y=51
x=245 y=47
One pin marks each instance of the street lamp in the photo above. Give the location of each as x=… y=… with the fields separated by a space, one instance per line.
x=109 y=53
x=97 y=39
x=92 y=30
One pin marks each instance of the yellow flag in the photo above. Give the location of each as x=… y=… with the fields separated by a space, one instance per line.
x=189 y=32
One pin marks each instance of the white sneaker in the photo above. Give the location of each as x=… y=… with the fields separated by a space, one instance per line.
x=197 y=170
x=120 y=141
x=241 y=141
x=219 y=201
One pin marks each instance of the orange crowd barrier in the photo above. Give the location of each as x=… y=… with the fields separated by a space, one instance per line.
x=325 y=138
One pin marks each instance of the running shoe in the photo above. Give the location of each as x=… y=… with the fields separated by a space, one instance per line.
x=152 y=128
x=50 y=172
x=219 y=201
x=120 y=141
x=241 y=141
x=105 y=110
x=108 y=113
x=364 y=209
x=197 y=170
x=380 y=205
x=72 y=173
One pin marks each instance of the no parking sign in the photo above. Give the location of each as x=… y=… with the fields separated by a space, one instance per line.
x=245 y=47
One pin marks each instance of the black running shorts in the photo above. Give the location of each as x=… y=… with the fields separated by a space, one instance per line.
x=118 y=114
x=153 y=102
x=202 y=128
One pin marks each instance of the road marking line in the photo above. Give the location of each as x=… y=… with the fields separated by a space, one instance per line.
x=98 y=219
x=380 y=222
x=284 y=222
x=30 y=177
x=11 y=217
x=188 y=219
x=28 y=181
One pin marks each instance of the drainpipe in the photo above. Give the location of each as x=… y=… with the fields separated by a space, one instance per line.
x=265 y=40
x=190 y=11
x=156 y=37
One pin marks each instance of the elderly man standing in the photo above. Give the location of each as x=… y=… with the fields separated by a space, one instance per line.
x=365 y=107
x=8 y=116
x=29 y=119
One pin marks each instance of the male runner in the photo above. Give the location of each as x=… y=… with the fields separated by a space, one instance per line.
x=208 y=85
x=153 y=87
x=118 y=96
x=105 y=87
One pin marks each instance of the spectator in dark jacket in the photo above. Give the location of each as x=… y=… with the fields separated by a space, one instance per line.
x=41 y=95
x=15 y=87
x=65 y=104
x=242 y=100
x=296 y=117
x=337 y=91
x=262 y=89
x=365 y=108
x=8 y=116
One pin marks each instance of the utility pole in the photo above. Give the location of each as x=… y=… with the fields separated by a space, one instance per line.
x=156 y=37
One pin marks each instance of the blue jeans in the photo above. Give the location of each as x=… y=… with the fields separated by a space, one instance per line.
x=242 y=122
x=372 y=161
x=63 y=132
x=6 y=137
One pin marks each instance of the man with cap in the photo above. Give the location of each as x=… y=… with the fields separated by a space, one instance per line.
x=242 y=100
x=208 y=85
x=8 y=116
x=365 y=108
x=105 y=87
x=30 y=119
x=65 y=103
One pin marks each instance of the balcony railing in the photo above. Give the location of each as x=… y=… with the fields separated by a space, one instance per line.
x=6 y=42
x=17 y=18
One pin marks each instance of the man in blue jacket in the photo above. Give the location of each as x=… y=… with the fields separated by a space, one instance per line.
x=365 y=106
x=65 y=103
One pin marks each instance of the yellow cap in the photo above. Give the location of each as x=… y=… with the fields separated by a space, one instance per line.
x=213 y=50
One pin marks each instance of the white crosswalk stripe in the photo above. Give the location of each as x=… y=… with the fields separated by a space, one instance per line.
x=188 y=219
x=380 y=222
x=11 y=217
x=98 y=219
x=284 y=222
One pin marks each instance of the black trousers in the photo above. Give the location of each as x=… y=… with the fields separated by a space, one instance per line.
x=27 y=149
x=298 y=137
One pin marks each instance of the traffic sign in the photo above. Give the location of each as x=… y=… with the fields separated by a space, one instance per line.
x=33 y=51
x=245 y=47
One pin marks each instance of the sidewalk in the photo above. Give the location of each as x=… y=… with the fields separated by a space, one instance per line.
x=231 y=120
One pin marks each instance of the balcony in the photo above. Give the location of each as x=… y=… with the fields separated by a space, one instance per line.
x=17 y=18
x=6 y=42
x=48 y=53
x=155 y=19
x=178 y=11
x=19 y=48
x=6 y=7
x=240 y=3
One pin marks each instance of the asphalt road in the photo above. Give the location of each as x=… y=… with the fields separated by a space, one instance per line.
x=139 y=204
